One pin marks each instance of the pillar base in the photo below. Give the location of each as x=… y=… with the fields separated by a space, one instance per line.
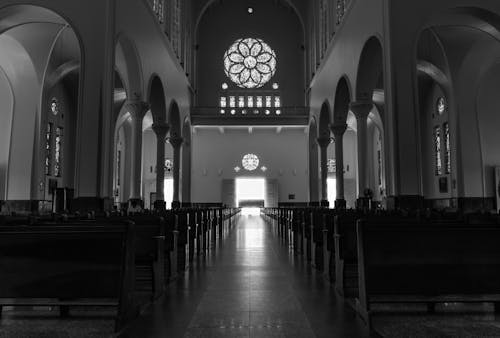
x=409 y=202
x=86 y=204
x=176 y=205
x=137 y=200
x=340 y=204
x=363 y=203
x=160 y=205
x=325 y=203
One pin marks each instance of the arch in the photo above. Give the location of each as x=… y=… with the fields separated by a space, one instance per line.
x=370 y=69
x=157 y=99
x=127 y=61
x=33 y=77
x=342 y=100
x=209 y=3
x=478 y=18
x=455 y=70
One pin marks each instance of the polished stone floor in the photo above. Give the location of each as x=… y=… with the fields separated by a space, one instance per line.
x=249 y=286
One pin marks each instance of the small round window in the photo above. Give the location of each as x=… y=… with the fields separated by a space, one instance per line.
x=250 y=162
x=441 y=105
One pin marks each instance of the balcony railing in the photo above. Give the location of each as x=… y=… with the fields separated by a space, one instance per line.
x=250 y=116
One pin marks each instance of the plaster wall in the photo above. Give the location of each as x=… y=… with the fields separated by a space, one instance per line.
x=215 y=155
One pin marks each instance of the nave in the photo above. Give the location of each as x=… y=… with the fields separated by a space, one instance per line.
x=251 y=285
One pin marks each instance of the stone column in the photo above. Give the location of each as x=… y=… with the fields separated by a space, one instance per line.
x=323 y=143
x=161 y=130
x=361 y=109
x=338 y=133
x=137 y=110
x=176 y=143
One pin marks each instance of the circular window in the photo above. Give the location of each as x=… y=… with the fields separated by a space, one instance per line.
x=250 y=63
x=441 y=105
x=54 y=106
x=250 y=162
x=169 y=165
x=331 y=165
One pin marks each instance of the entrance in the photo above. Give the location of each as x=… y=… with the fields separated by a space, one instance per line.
x=250 y=195
x=168 y=191
x=331 y=185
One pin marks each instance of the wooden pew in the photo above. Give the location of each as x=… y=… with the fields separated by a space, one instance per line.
x=329 y=245
x=427 y=263
x=150 y=232
x=150 y=262
x=346 y=247
x=345 y=252
x=71 y=265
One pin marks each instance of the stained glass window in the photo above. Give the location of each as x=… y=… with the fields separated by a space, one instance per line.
x=447 y=148
x=268 y=101
x=441 y=105
x=437 y=151
x=341 y=7
x=250 y=63
x=250 y=101
x=258 y=101
x=330 y=164
x=58 y=152
x=118 y=167
x=223 y=102
x=169 y=165
x=54 y=106
x=379 y=169
x=277 y=101
x=48 y=148
x=158 y=8
x=241 y=101
x=176 y=26
x=232 y=101
x=250 y=162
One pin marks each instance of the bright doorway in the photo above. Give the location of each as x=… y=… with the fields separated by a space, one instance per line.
x=168 y=190
x=331 y=185
x=250 y=194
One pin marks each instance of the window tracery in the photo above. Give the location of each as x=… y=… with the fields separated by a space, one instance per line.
x=250 y=63
x=250 y=162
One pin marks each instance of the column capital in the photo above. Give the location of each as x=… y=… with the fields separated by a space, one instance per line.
x=160 y=129
x=361 y=109
x=176 y=142
x=323 y=142
x=338 y=129
x=137 y=108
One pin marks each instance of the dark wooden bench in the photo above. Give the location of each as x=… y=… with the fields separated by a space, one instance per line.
x=346 y=254
x=346 y=247
x=71 y=265
x=427 y=263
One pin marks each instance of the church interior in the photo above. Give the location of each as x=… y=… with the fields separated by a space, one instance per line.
x=249 y=168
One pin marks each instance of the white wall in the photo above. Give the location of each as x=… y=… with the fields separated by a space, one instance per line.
x=215 y=155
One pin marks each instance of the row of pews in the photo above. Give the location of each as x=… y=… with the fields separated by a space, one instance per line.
x=387 y=258
x=106 y=261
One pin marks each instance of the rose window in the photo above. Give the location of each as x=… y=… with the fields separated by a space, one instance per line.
x=250 y=162
x=250 y=63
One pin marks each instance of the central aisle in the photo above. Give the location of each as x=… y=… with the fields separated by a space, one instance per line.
x=249 y=286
